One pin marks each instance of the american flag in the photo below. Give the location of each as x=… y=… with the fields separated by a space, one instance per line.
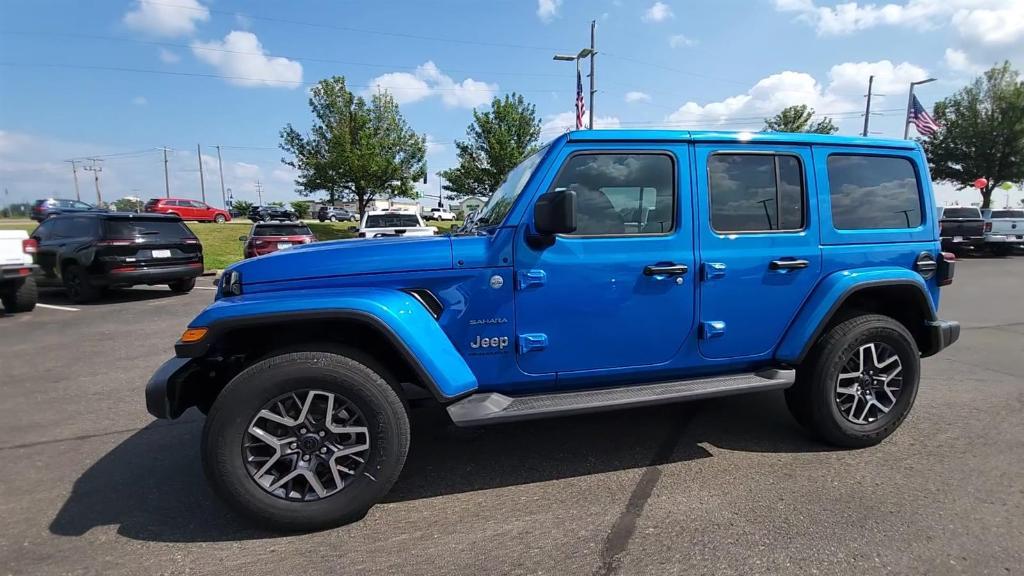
x=926 y=126
x=581 y=108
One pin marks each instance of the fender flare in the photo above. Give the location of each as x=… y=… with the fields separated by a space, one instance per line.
x=829 y=297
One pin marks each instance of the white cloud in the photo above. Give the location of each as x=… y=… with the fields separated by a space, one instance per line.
x=658 y=12
x=241 y=56
x=428 y=80
x=637 y=96
x=433 y=146
x=140 y=101
x=547 y=10
x=680 y=40
x=167 y=18
x=284 y=175
x=991 y=26
x=168 y=56
x=555 y=124
x=842 y=95
x=959 y=61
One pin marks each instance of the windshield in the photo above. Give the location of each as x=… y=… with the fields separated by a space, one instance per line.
x=504 y=197
x=961 y=213
x=391 y=220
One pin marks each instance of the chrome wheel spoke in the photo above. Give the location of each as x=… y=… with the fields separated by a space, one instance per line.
x=868 y=386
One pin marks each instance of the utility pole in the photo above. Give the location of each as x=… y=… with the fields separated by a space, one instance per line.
x=167 y=179
x=220 y=166
x=74 y=171
x=202 y=183
x=259 y=192
x=593 y=90
x=867 y=108
x=95 y=168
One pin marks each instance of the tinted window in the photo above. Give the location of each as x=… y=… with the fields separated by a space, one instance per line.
x=80 y=205
x=75 y=227
x=136 y=227
x=961 y=213
x=620 y=193
x=200 y=205
x=874 y=192
x=282 y=230
x=1008 y=214
x=391 y=221
x=44 y=231
x=756 y=192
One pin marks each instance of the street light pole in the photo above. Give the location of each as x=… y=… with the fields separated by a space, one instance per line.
x=593 y=90
x=910 y=105
x=584 y=53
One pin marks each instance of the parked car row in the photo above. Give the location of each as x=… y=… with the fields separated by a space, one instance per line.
x=996 y=230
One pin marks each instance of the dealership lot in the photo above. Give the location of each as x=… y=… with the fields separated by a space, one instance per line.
x=93 y=485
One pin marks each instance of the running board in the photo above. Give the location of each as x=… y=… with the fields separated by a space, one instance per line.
x=488 y=407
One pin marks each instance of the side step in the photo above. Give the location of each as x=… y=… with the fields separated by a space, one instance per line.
x=489 y=407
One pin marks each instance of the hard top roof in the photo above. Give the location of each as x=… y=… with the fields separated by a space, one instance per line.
x=699 y=136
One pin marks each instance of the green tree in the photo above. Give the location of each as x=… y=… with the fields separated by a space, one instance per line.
x=243 y=206
x=126 y=205
x=497 y=140
x=301 y=208
x=355 y=149
x=799 y=118
x=982 y=133
x=277 y=203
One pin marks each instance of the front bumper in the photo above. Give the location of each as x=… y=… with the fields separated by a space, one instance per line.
x=164 y=391
x=941 y=334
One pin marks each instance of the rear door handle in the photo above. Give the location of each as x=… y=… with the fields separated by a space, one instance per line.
x=788 y=264
x=666 y=269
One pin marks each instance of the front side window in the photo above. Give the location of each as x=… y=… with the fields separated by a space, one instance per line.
x=621 y=193
x=874 y=192
x=756 y=192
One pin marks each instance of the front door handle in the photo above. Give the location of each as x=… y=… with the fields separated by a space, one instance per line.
x=666 y=269
x=788 y=264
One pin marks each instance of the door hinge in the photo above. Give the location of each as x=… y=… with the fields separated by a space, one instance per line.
x=713 y=270
x=530 y=342
x=712 y=329
x=528 y=278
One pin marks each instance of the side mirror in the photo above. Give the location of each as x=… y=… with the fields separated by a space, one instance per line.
x=243 y=238
x=555 y=212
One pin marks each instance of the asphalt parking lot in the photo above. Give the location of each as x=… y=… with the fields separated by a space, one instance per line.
x=91 y=484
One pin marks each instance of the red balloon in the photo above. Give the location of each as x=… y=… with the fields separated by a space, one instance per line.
x=980 y=183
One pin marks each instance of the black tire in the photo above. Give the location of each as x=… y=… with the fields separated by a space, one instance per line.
x=78 y=286
x=813 y=399
x=219 y=219
x=1001 y=250
x=240 y=401
x=21 y=299
x=182 y=286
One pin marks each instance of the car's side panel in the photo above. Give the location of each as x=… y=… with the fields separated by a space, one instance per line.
x=830 y=293
x=401 y=314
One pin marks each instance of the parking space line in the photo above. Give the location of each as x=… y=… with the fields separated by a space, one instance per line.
x=206 y=287
x=65 y=308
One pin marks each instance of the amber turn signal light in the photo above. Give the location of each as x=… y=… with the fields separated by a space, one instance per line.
x=193 y=335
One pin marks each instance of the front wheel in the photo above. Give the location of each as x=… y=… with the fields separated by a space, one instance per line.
x=305 y=441
x=334 y=218
x=219 y=219
x=859 y=382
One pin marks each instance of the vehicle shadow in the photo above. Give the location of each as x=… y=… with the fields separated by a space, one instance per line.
x=161 y=494
x=56 y=296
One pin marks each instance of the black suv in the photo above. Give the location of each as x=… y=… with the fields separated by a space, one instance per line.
x=268 y=213
x=43 y=209
x=89 y=252
x=333 y=214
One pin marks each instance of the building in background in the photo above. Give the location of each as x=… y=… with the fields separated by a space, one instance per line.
x=470 y=205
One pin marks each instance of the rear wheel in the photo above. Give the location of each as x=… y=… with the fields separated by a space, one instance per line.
x=21 y=299
x=182 y=286
x=78 y=286
x=334 y=218
x=305 y=441
x=859 y=383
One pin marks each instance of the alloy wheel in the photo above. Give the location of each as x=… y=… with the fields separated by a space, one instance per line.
x=306 y=445
x=869 y=384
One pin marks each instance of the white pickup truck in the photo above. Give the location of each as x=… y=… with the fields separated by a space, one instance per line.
x=17 y=286
x=390 y=223
x=1004 y=229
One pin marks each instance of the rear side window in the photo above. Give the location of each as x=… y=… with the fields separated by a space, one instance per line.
x=77 y=227
x=134 y=228
x=621 y=194
x=756 y=192
x=962 y=213
x=874 y=192
x=282 y=230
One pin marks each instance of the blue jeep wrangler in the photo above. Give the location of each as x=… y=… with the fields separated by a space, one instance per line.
x=612 y=269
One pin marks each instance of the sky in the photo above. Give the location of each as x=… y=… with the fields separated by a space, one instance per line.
x=118 y=80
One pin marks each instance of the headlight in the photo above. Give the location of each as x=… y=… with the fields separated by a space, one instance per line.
x=231 y=283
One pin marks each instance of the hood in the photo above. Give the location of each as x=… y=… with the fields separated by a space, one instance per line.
x=349 y=257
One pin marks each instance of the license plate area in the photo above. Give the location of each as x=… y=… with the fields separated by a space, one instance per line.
x=161 y=253
x=283 y=245
x=958 y=238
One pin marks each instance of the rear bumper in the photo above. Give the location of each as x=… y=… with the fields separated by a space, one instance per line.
x=941 y=334
x=161 y=275
x=972 y=241
x=164 y=398
x=1005 y=238
x=11 y=272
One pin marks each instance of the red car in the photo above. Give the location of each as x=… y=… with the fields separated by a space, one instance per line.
x=267 y=237
x=188 y=210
